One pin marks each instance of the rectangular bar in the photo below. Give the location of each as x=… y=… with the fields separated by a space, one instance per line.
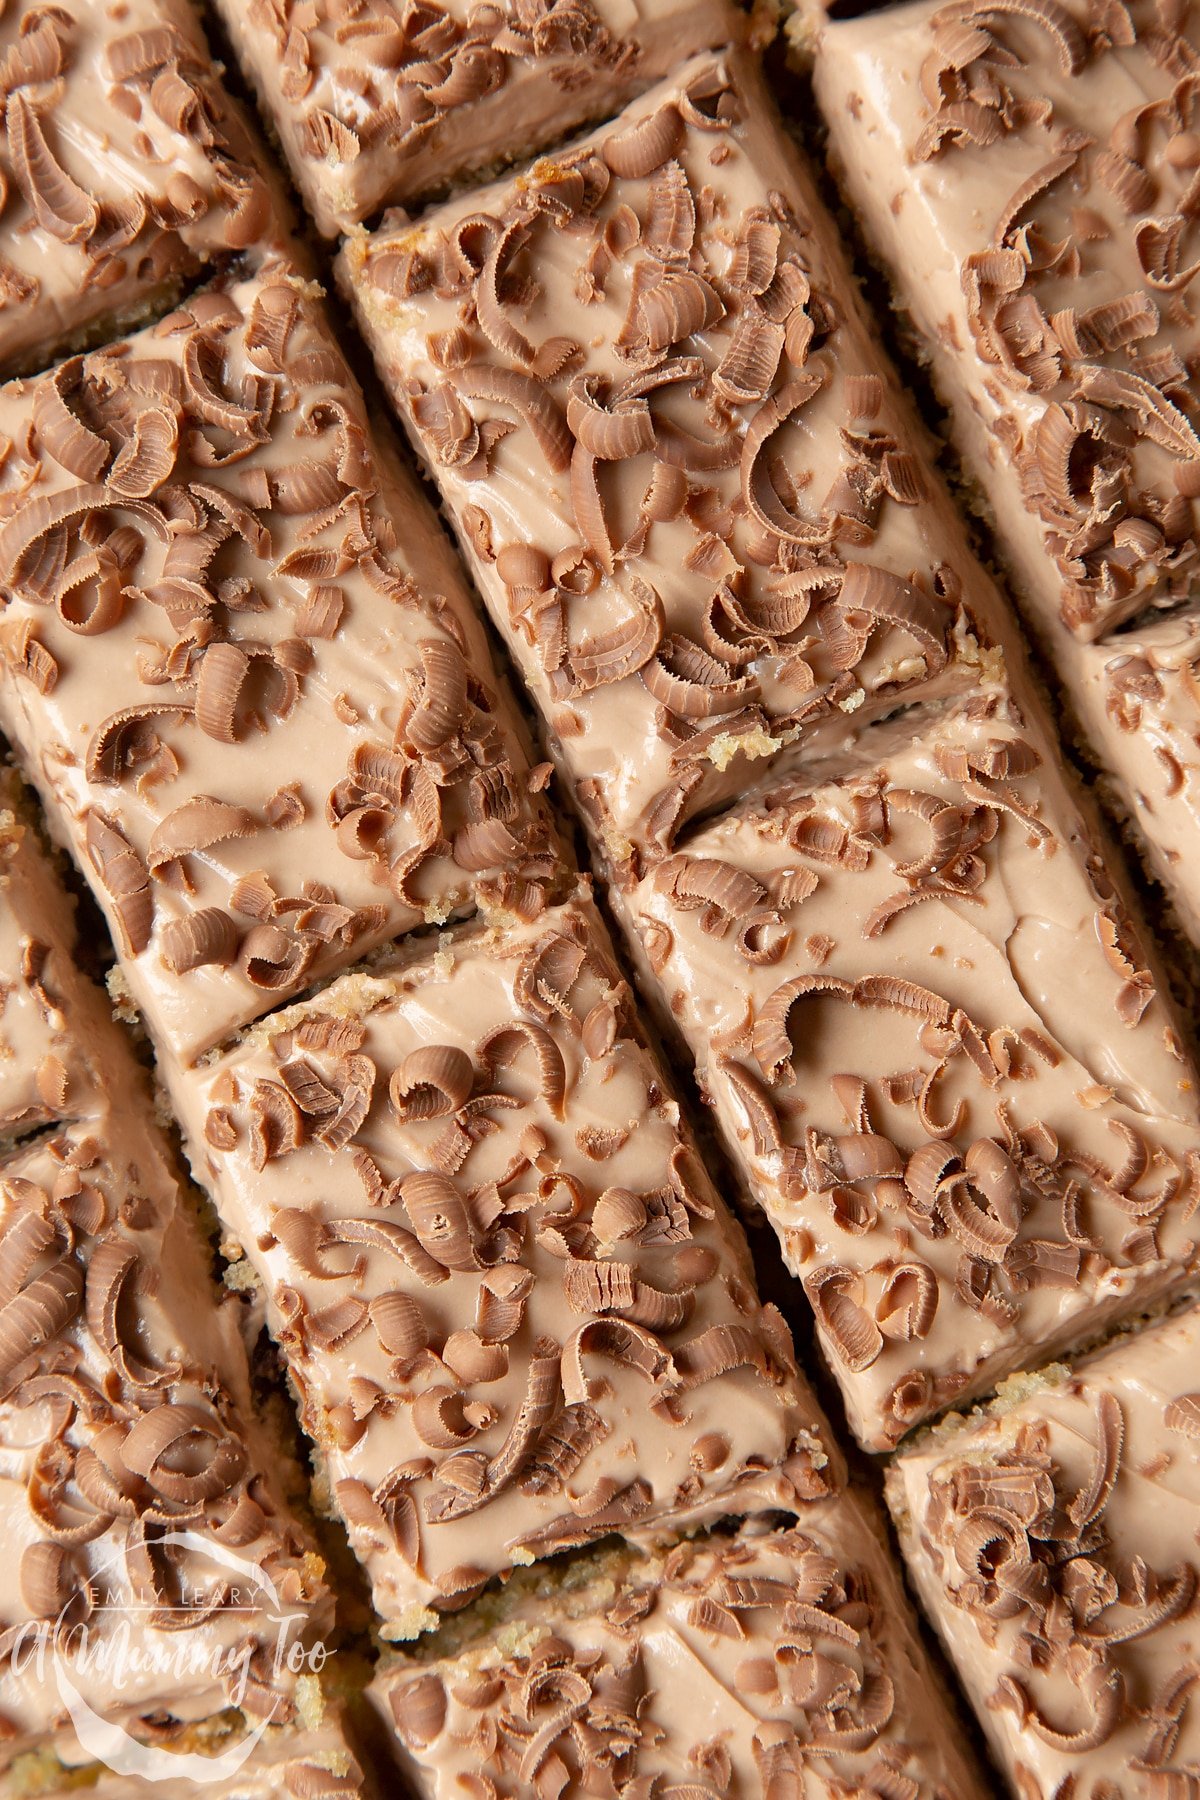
x=376 y=102
x=693 y=498
x=1025 y=175
x=51 y=1020
x=126 y=169
x=309 y=1759
x=932 y=1043
x=515 y=1311
x=1138 y=702
x=779 y=1661
x=1052 y=1540
x=156 y=1577
x=240 y=664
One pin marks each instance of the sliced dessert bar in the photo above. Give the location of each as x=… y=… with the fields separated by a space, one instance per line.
x=375 y=101
x=238 y=660
x=932 y=1043
x=1028 y=174
x=783 y=1661
x=693 y=498
x=516 y=1313
x=156 y=1580
x=307 y=1759
x=1137 y=695
x=1052 y=1541
x=124 y=169
x=51 y=1019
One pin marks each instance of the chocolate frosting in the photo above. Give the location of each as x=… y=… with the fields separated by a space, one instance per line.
x=1053 y=1541
x=124 y=169
x=238 y=661
x=1029 y=174
x=515 y=1311
x=932 y=1042
x=374 y=101
x=782 y=1662
x=1137 y=695
x=125 y=1420
x=51 y=1020
x=694 y=502
x=304 y=1761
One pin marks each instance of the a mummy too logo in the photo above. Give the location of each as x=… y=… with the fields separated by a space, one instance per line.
x=108 y=1655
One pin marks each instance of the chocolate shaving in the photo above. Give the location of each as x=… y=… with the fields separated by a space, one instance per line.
x=199 y=940
x=530 y=400
x=440 y=1219
x=1183 y=1415
x=879 y=594
x=758 y=491
x=72 y=444
x=36 y=1315
x=451 y=1501
x=836 y=1294
x=440 y=713
x=195 y=827
x=58 y=203
x=625 y=648
x=431 y=1083
x=505 y=1046
x=115 y=1276
x=124 y=877
x=393 y=1240
x=640 y=149
x=127 y=739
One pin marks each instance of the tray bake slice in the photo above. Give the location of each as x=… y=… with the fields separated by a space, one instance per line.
x=1137 y=698
x=125 y=171
x=238 y=661
x=157 y=1581
x=697 y=506
x=52 y=1020
x=783 y=1660
x=374 y=102
x=1027 y=175
x=516 y=1314
x=934 y=1045
x=1052 y=1541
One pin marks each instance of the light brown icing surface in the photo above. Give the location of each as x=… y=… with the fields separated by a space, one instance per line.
x=514 y=1310
x=124 y=168
x=1054 y=1544
x=50 y=1018
x=1028 y=173
x=692 y=497
x=241 y=666
x=375 y=102
x=931 y=1041
x=1138 y=696
x=778 y=1662
x=126 y=1420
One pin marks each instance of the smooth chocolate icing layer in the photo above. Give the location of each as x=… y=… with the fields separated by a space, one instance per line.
x=692 y=496
x=239 y=663
x=126 y=1420
x=1028 y=173
x=930 y=1039
x=124 y=169
x=51 y=1020
x=374 y=101
x=515 y=1312
x=1053 y=1541
x=777 y=1662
